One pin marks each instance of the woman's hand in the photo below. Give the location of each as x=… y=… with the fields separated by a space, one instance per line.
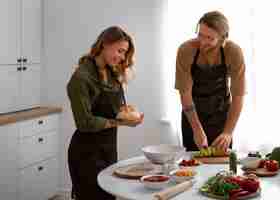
x=200 y=139
x=131 y=123
x=223 y=141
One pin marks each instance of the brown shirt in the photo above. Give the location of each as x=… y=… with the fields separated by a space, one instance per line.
x=234 y=60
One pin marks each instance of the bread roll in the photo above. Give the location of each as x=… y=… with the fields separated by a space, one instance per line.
x=128 y=112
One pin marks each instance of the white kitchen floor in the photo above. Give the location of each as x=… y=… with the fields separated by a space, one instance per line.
x=67 y=196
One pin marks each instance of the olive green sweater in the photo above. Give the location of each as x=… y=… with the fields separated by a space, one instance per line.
x=83 y=89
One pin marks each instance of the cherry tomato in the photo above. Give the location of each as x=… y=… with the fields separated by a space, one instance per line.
x=262 y=163
x=272 y=165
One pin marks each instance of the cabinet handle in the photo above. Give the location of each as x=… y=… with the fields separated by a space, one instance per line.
x=40 y=168
x=18 y=68
x=19 y=60
x=40 y=139
x=40 y=122
x=24 y=60
x=24 y=68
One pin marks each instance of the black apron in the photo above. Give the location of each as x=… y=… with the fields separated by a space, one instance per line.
x=90 y=153
x=211 y=96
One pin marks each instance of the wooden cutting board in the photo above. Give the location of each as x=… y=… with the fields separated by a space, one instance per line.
x=261 y=172
x=213 y=160
x=136 y=171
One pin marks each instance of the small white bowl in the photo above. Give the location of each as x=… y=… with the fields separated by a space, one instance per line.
x=250 y=162
x=154 y=184
x=180 y=179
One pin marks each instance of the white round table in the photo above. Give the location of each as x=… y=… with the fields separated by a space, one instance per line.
x=133 y=189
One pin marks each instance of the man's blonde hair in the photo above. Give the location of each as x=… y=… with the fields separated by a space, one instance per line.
x=217 y=21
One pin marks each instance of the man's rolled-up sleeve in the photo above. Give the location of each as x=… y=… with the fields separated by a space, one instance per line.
x=237 y=73
x=183 y=79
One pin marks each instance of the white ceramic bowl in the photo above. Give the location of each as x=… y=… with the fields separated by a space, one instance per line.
x=163 y=153
x=180 y=179
x=155 y=183
x=250 y=162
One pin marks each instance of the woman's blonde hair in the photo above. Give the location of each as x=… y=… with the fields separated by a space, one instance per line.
x=217 y=21
x=109 y=36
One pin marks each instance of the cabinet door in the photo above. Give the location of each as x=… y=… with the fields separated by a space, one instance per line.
x=43 y=124
x=31 y=30
x=30 y=86
x=39 y=181
x=9 y=88
x=10 y=31
x=46 y=146
x=8 y=162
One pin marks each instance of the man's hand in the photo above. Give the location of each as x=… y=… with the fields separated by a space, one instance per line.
x=223 y=141
x=200 y=139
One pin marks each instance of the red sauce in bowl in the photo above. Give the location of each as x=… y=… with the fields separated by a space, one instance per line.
x=156 y=178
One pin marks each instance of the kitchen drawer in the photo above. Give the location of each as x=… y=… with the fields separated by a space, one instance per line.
x=38 y=147
x=38 y=125
x=39 y=181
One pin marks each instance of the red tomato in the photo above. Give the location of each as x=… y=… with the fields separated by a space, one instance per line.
x=272 y=165
x=236 y=179
x=191 y=162
x=232 y=192
x=156 y=178
x=250 y=185
x=262 y=163
x=239 y=194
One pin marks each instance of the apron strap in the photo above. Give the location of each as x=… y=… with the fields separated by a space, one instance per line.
x=196 y=56
x=223 y=56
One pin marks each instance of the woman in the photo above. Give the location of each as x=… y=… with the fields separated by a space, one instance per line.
x=204 y=67
x=96 y=95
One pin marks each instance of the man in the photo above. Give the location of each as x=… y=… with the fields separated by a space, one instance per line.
x=210 y=76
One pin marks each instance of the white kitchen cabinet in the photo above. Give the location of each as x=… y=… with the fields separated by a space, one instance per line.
x=8 y=162
x=45 y=144
x=20 y=35
x=30 y=86
x=29 y=156
x=38 y=157
x=9 y=88
x=39 y=181
x=20 y=87
x=31 y=30
x=20 y=52
x=38 y=125
x=10 y=48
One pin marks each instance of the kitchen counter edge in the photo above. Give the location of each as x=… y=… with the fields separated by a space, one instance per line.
x=13 y=117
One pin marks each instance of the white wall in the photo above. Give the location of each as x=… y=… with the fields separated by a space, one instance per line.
x=70 y=27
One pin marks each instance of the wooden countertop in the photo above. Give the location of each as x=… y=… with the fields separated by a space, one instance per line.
x=13 y=117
